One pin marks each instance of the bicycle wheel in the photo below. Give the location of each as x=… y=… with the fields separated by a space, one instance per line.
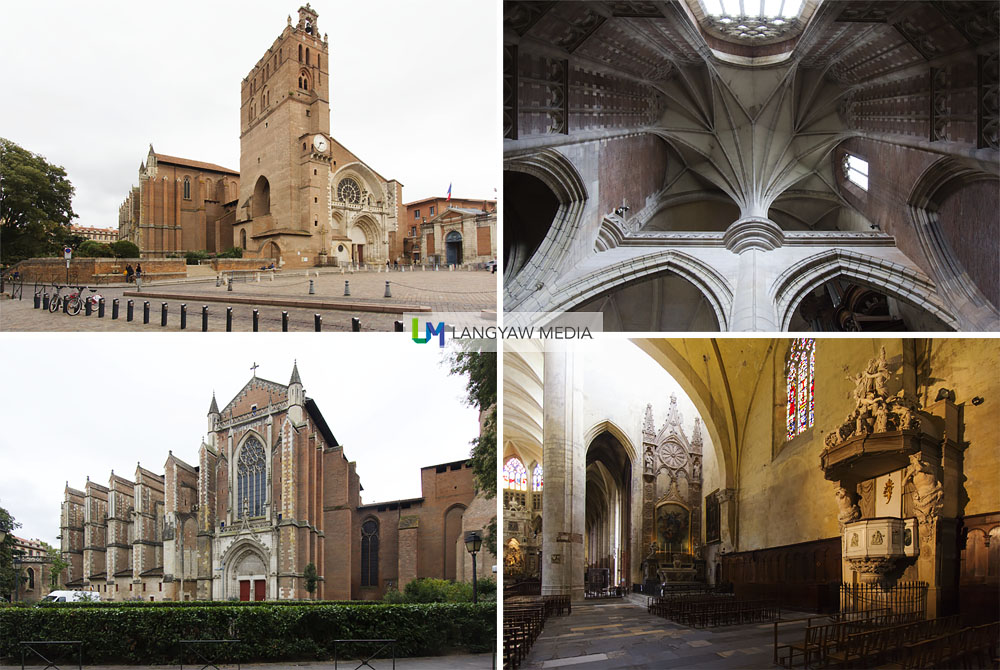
x=75 y=305
x=54 y=304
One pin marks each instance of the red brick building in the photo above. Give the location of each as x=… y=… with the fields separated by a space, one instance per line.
x=272 y=491
x=439 y=231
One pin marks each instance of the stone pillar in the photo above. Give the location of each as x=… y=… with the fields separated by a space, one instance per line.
x=727 y=519
x=753 y=309
x=407 y=566
x=563 y=496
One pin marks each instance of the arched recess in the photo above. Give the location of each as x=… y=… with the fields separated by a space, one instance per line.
x=527 y=218
x=716 y=409
x=666 y=302
x=962 y=248
x=363 y=175
x=272 y=250
x=890 y=278
x=234 y=485
x=701 y=212
x=261 y=198
x=559 y=175
x=713 y=286
x=365 y=231
x=247 y=570
x=608 y=503
x=452 y=534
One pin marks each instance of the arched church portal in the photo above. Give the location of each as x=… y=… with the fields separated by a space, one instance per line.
x=359 y=243
x=247 y=578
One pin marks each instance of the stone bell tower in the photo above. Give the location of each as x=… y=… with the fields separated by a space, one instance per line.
x=285 y=147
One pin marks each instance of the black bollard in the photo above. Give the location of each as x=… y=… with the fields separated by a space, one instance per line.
x=45 y=302
x=347 y=288
x=229 y=319
x=65 y=305
x=145 y=311
x=312 y=289
x=163 y=314
x=355 y=324
x=100 y=308
x=128 y=311
x=388 y=293
x=88 y=308
x=284 y=322
x=184 y=316
x=204 y=318
x=38 y=300
x=256 y=317
x=114 y=309
x=317 y=322
x=397 y=326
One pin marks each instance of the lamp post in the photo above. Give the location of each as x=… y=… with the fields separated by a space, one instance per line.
x=473 y=543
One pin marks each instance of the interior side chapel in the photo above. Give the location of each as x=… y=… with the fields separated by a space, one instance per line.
x=826 y=476
x=753 y=165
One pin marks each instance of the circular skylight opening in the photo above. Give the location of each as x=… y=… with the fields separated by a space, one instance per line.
x=753 y=19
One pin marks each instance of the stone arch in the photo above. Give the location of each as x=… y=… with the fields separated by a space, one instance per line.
x=363 y=175
x=943 y=178
x=233 y=469
x=374 y=250
x=560 y=176
x=712 y=285
x=452 y=536
x=271 y=250
x=261 y=203
x=243 y=238
x=246 y=560
x=896 y=280
x=608 y=426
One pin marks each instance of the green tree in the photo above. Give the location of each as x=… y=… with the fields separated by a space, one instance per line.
x=35 y=204
x=480 y=368
x=8 y=577
x=92 y=249
x=311 y=578
x=56 y=565
x=125 y=249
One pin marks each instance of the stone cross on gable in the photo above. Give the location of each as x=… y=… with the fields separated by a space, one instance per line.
x=254 y=368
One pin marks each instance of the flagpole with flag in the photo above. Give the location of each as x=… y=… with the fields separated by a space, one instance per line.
x=449 y=192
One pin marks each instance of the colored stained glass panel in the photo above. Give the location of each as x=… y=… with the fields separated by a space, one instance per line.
x=515 y=476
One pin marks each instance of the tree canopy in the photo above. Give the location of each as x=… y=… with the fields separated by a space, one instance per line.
x=35 y=204
x=8 y=577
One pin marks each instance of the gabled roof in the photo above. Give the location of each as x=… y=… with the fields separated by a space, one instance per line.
x=198 y=165
x=276 y=387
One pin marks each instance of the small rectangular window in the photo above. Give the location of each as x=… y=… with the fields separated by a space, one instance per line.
x=431 y=212
x=416 y=214
x=856 y=170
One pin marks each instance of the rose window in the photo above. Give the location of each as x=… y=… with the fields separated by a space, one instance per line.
x=672 y=455
x=348 y=190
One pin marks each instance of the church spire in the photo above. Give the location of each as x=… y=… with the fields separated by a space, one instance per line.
x=295 y=374
x=214 y=409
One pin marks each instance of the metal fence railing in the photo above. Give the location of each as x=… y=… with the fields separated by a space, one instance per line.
x=902 y=598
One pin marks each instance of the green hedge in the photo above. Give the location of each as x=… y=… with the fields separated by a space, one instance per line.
x=192 y=603
x=267 y=632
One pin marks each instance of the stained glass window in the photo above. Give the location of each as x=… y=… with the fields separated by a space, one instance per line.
x=515 y=476
x=369 y=553
x=801 y=386
x=251 y=476
x=536 y=478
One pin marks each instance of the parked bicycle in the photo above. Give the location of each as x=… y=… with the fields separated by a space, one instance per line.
x=74 y=301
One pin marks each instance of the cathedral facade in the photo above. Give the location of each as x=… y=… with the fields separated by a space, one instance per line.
x=272 y=491
x=300 y=198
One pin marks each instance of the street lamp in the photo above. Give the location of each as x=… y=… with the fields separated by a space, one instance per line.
x=473 y=543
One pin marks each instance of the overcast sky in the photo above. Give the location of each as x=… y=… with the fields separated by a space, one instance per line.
x=84 y=405
x=89 y=85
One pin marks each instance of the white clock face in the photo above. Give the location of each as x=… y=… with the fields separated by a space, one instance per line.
x=320 y=143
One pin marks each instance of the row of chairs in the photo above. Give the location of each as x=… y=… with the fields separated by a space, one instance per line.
x=716 y=610
x=556 y=605
x=846 y=642
x=522 y=624
x=670 y=607
x=967 y=648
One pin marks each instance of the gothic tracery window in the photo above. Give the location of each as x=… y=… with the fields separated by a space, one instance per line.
x=369 y=553
x=515 y=476
x=536 y=478
x=251 y=476
x=800 y=386
x=348 y=190
x=187 y=188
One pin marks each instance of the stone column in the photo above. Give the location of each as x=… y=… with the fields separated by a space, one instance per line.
x=727 y=519
x=751 y=237
x=565 y=477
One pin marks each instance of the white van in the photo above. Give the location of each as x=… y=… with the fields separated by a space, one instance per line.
x=72 y=597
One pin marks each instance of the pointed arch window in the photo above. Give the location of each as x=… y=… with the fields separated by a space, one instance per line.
x=251 y=479
x=515 y=476
x=300 y=53
x=369 y=553
x=800 y=386
x=536 y=478
x=187 y=188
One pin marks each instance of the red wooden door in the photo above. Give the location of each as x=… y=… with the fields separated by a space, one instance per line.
x=245 y=589
x=258 y=589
